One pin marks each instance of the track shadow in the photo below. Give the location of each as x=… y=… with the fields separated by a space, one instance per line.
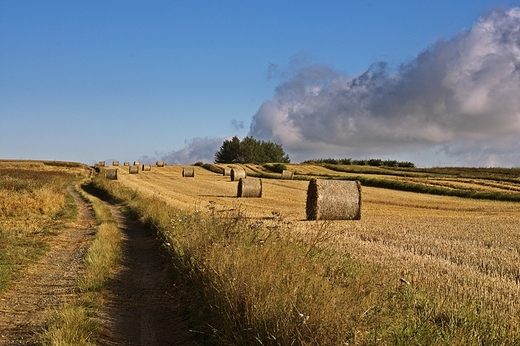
x=141 y=307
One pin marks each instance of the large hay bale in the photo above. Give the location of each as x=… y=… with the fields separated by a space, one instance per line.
x=159 y=163
x=287 y=175
x=237 y=174
x=133 y=169
x=188 y=172
x=126 y=163
x=146 y=168
x=227 y=172
x=250 y=187
x=333 y=200
x=136 y=163
x=111 y=173
x=101 y=163
x=115 y=163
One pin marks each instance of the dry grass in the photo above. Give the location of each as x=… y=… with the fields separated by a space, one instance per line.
x=33 y=203
x=416 y=269
x=72 y=325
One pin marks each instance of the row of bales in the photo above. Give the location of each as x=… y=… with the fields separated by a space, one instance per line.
x=111 y=173
x=326 y=199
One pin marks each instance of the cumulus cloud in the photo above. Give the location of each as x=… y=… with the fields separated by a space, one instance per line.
x=460 y=95
x=195 y=150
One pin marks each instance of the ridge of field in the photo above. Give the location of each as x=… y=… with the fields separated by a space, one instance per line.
x=492 y=180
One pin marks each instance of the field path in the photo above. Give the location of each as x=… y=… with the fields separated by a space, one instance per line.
x=44 y=286
x=140 y=303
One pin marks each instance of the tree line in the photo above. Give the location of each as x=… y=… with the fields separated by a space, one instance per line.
x=368 y=162
x=250 y=150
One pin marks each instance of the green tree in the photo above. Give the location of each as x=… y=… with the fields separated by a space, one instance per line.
x=229 y=152
x=250 y=150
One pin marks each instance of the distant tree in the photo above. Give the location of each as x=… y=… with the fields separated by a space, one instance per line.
x=229 y=152
x=250 y=150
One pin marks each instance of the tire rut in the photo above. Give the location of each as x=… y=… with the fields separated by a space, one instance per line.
x=140 y=303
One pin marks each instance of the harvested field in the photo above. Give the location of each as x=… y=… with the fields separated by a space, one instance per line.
x=454 y=246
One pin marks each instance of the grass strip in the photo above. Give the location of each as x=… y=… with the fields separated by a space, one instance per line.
x=75 y=323
x=435 y=190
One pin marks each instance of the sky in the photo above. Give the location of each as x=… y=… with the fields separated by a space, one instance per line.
x=435 y=82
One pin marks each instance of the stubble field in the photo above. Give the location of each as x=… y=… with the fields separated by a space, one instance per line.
x=417 y=267
x=462 y=249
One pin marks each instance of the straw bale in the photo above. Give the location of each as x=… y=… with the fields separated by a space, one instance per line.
x=126 y=163
x=111 y=174
x=101 y=163
x=136 y=163
x=159 y=163
x=237 y=174
x=188 y=172
x=227 y=172
x=333 y=200
x=133 y=169
x=250 y=187
x=146 y=168
x=115 y=163
x=287 y=175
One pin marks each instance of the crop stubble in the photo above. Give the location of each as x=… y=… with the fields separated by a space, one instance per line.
x=459 y=248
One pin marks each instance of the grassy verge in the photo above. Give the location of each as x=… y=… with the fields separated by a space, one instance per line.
x=260 y=282
x=75 y=323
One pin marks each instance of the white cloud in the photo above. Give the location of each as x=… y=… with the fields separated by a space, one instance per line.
x=195 y=150
x=460 y=94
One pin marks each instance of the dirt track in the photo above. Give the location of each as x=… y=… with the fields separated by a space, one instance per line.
x=141 y=308
x=140 y=304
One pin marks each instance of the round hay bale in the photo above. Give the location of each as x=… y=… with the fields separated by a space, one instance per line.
x=333 y=200
x=227 y=172
x=159 y=163
x=146 y=168
x=115 y=163
x=126 y=163
x=188 y=172
x=133 y=169
x=136 y=163
x=237 y=173
x=250 y=187
x=111 y=174
x=287 y=175
x=101 y=163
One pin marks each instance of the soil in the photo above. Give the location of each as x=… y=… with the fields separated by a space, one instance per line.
x=140 y=306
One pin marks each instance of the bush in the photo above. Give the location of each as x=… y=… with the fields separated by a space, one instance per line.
x=276 y=167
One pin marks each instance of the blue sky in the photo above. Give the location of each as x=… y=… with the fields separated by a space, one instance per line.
x=102 y=80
